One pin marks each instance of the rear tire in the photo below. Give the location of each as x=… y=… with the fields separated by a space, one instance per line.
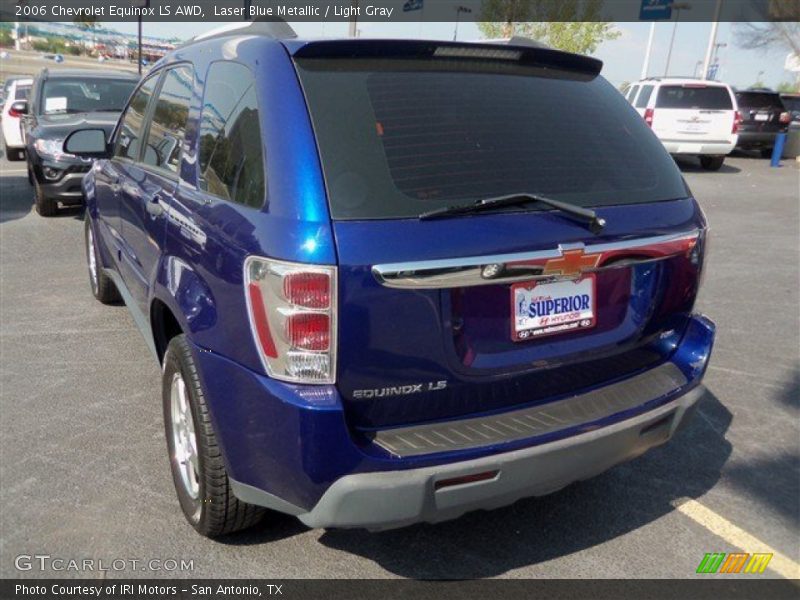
x=46 y=207
x=103 y=288
x=198 y=471
x=712 y=163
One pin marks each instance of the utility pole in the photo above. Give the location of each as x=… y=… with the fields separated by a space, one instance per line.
x=711 y=39
x=354 y=18
x=646 y=64
x=677 y=7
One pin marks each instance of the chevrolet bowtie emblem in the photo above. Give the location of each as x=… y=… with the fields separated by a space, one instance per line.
x=572 y=262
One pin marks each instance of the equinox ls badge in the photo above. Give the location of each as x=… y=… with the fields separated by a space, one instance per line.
x=400 y=390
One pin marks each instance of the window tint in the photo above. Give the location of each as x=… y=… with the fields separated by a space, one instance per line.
x=401 y=137
x=22 y=92
x=791 y=103
x=128 y=144
x=694 y=96
x=644 y=96
x=632 y=93
x=759 y=100
x=231 y=154
x=168 y=125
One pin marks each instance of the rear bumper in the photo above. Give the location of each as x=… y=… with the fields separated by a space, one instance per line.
x=756 y=139
x=688 y=148
x=398 y=498
x=289 y=447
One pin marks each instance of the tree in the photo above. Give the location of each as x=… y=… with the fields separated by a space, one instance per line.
x=787 y=87
x=765 y=36
x=569 y=25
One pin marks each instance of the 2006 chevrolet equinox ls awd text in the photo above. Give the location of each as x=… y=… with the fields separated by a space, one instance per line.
x=395 y=281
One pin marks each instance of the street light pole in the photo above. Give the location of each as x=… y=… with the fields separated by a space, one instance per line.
x=646 y=64
x=677 y=7
x=354 y=19
x=459 y=10
x=711 y=39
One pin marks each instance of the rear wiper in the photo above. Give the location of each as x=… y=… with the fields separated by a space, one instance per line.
x=586 y=215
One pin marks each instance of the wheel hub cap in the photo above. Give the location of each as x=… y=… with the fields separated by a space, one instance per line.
x=184 y=441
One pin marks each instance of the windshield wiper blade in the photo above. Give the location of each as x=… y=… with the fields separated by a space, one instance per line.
x=587 y=215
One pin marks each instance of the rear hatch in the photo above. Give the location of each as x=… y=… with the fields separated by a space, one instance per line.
x=761 y=111
x=442 y=318
x=694 y=113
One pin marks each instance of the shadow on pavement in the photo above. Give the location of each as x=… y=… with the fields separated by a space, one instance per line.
x=692 y=165
x=16 y=197
x=487 y=544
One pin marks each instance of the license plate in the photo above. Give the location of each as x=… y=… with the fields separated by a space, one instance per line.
x=762 y=117
x=689 y=148
x=543 y=309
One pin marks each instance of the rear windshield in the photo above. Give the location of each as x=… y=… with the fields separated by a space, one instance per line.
x=791 y=103
x=22 y=91
x=683 y=96
x=401 y=137
x=759 y=100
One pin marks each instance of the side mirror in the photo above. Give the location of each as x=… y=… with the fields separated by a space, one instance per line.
x=87 y=143
x=18 y=108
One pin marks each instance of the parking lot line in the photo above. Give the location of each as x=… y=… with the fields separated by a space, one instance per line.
x=736 y=536
x=13 y=171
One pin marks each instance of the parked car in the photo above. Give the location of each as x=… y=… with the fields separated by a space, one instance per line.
x=395 y=281
x=690 y=116
x=763 y=117
x=792 y=104
x=16 y=91
x=60 y=102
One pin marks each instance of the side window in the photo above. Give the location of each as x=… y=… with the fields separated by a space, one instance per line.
x=644 y=96
x=130 y=130
x=632 y=93
x=168 y=125
x=231 y=156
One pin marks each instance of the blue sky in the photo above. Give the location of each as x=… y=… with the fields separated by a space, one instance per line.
x=623 y=57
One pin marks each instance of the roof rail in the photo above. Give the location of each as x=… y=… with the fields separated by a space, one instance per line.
x=277 y=29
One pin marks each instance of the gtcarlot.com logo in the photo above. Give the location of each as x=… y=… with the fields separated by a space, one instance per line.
x=735 y=562
x=46 y=562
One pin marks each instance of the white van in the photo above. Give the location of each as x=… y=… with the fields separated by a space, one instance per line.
x=689 y=116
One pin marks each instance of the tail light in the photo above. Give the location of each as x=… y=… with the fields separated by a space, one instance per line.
x=13 y=112
x=292 y=310
x=737 y=121
x=648 y=116
x=785 y=117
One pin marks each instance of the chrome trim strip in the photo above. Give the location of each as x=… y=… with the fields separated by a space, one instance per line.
x=515 y=425
x=469 y=271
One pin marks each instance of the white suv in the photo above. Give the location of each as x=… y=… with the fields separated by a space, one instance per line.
x=689 y=116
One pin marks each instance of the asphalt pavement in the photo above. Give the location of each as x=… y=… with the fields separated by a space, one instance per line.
x=84 y=470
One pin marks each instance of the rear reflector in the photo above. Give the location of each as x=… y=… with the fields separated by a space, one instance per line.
x=14 y=113
x=260 y=322
x=485 y=476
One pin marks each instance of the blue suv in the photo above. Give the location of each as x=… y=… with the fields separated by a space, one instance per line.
x=395 y=281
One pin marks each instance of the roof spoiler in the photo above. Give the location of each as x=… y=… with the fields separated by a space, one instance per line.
x=519 y=50
x=276 y=29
